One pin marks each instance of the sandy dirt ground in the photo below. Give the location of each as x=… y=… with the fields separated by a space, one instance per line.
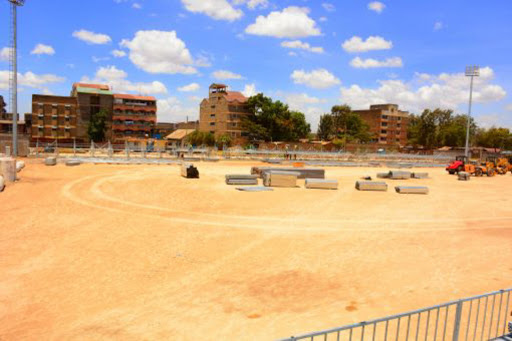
x=103 y=252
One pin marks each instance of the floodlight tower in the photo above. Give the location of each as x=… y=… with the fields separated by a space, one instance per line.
x=13 y=87
x=471 y=71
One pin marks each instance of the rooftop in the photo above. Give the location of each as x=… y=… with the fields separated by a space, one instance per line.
x=135 y=97
x=179 y=134
x=232 y=96
x=87 y=90
x=92 y=86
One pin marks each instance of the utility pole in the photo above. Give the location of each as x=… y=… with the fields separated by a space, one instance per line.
x=472 y=72
x=14 y=74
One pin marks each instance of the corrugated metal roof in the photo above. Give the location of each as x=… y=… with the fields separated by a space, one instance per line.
x=179 y=134
x=92 y=86
x=93 y=91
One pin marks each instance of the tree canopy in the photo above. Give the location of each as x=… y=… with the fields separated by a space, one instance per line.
x=97 y=126
x=342 y=123
x=274 y=121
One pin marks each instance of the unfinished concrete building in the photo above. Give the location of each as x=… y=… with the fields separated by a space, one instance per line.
x=134 y=117
x=387 y=123
x=222 y=112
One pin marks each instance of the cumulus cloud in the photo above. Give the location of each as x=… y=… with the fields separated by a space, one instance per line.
x=224 y=74
x=323 y=19
x=374 y=63
x=376 y=6
x=189 y=88
x=438 y=26
x=5 y=52
x=426 y=91
x=356 y=44
x=328 y=7
x=117 y=79
x=297 y=44
x=291 y=22
x=43 y=49
x=250 y=90
x=136 y=5
x=252 y=4
x=216 y=9
x=318 y=79
x=300 y=101
x=91 y=37
x=31 y=80
x=160 y=52
x=171 y=109
x=118 y=53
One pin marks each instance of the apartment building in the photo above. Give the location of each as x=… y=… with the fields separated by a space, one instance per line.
x=133 y=117
x=388 y=124
x=222 y=112
x=53 y=118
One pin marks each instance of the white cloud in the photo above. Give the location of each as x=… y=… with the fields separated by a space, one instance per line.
x=91 y=37
x=160 y=52
x=118 y=53
x=297 y=44
x=323 y=19
x=292 y=54
x=216 y=9
x=318 y=79
x=31 y=80
x=438 y=26
x=252 y=4
x=224 y=74
x=116 y=78
x=5 y=52
x=43 y=49
x=374 y=63
x=189 y=88
x=136 y=5
x=376 y=6
x=299 y=101
x=356 y=44
x=250 y=90
x=426 y=91
x=172 y=110
x=508 y=107
x=291 y=22
x=99 y=59
x=328 y=7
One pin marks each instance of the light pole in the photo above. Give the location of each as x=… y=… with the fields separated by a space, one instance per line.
x=471 y=71
x=14 y=75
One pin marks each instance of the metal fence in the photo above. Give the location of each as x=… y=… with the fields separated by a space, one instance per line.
x=481 y=317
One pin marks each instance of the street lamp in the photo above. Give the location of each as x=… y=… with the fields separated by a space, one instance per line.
x=471 y=71
x=14 y=75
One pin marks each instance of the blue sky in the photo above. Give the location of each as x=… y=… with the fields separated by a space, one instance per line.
x=310 y=54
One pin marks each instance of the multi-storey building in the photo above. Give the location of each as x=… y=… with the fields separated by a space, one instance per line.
x=222 y=112
x=53 y=118
x=133 y=117
x=91 y=98
x=388 y=124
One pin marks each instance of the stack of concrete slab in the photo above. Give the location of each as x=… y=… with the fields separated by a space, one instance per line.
x=189 y=171
x=371 y=186
x=280 y=179
x=419 y=175
x=71 y=163
x=411 y=190
x=8 y=169
x=254 y=189
x=321 y=184
x=464 y=176
x=241 y=179
x=383 y=175
x=309 y=173
x=50 y=161
x=399 y=175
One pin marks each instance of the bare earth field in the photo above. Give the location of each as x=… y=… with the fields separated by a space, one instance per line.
x=103 y=252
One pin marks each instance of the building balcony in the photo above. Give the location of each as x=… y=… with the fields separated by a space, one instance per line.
x=136 y=117
x=135 y=127
x=134 y=108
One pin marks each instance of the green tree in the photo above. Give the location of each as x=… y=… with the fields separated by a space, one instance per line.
x=494 y=137
x=223 y=140
x=97 y=126
x=200 y=138
x=325 y=127
x=349 y=126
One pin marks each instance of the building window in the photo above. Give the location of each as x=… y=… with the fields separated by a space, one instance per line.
x=213 y=106
x=212 y=132
x=67 y=118
x=383 y=139
x=212 y=124
x=383 y=131
x=399 y=118
x=384 y=124
x=212 y=115
x=384 y=117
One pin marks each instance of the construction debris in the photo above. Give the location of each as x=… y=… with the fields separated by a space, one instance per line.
x=371 y=186
x=321 y=184
x=280 y=179
x=254 y=189
x=73 y=163
x=464 y=176
x=19 y=166
x=367 y=178
x=419 y=175
x=411 y=189
x=309 y=173
x=189 y=171
x=399 y=175
x=8 y=169
x=241 y=179
x=50 y=161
